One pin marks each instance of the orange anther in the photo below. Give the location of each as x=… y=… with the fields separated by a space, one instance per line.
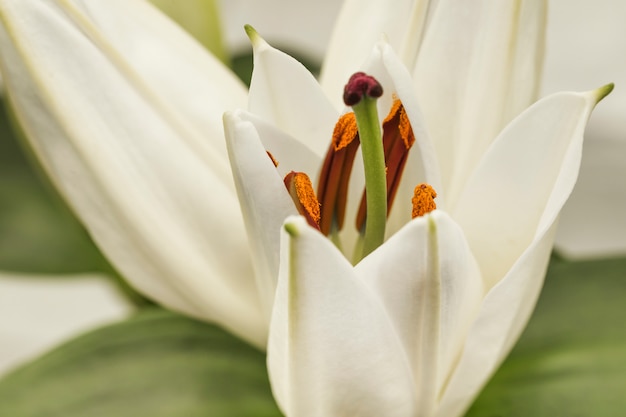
x=335 y=175
x=345 y=131
x=301 y=191
x=423 y=200
x=399 y=120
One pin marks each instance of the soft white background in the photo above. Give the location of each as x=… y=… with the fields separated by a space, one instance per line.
x=586 y=49
x=39 y=312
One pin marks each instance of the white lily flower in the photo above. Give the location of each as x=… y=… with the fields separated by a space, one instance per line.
x=124 y=109
x=418 y=326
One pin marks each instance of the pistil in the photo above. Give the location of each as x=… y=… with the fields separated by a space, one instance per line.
x=361 y=93
x=398 y=138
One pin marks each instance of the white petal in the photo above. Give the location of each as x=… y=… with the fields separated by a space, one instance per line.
x=264 y=200
x=289 y=153
x=39 y=312
x=360 y=24
x=431 y=286
x=285 y=93
x=520 y=186
x=332 y=349
x=479 y=66
x=503 y=315
x=190 y=86
x=162 y=215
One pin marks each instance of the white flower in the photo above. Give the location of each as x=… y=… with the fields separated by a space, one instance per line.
x=417 y=327
x=124 y=111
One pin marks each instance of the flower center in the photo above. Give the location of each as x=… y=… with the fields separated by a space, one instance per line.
x=398 y=139
x=384 y=159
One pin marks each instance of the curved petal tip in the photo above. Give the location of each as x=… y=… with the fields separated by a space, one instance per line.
x=254 y=36
x=603 y=91
x=294 y=225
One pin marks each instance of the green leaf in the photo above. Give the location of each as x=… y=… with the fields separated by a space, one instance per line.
x=38 y=234
x=155 y=364
x=571 y=360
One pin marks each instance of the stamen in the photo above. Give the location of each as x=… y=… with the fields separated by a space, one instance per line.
x=398 y=138
x=301 y=191
x=335 y=175
x=423 y=200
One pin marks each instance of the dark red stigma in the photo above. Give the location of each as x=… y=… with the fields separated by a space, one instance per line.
x=360 y=85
